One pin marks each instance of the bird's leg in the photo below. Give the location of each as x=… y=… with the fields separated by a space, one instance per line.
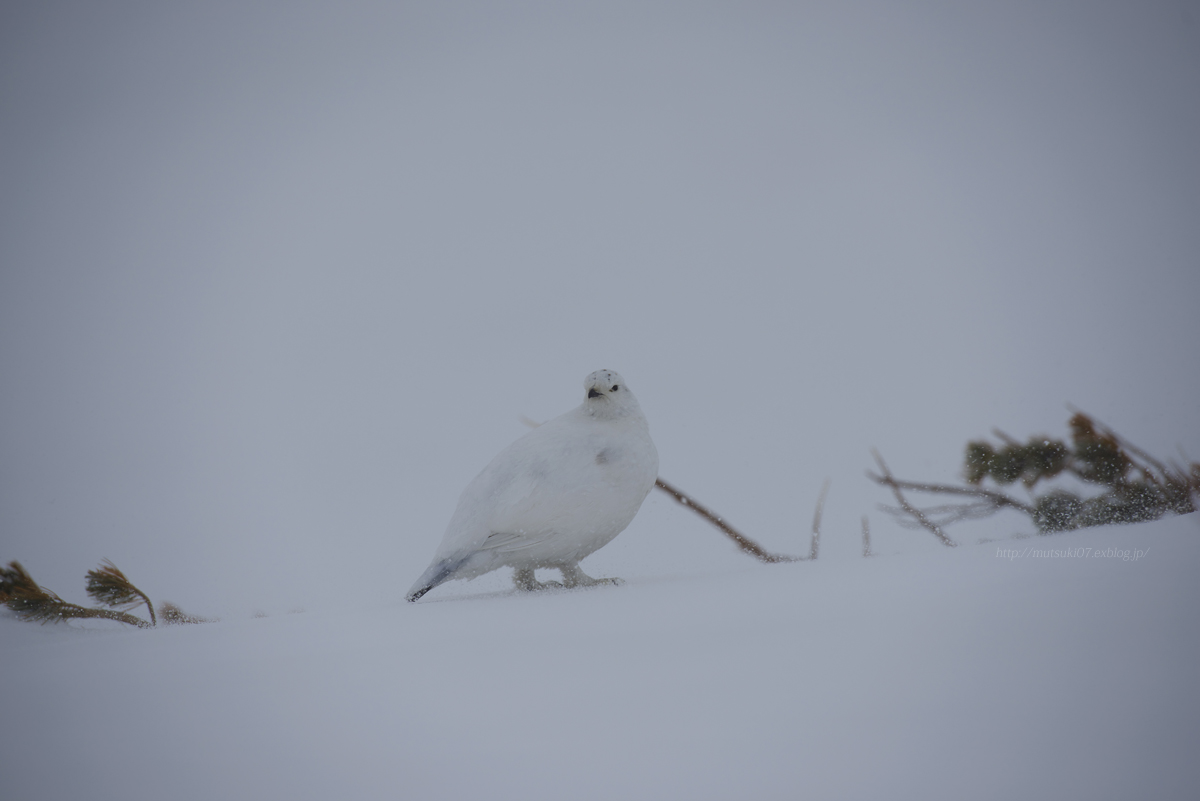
x=573 y=576
x=525 y=579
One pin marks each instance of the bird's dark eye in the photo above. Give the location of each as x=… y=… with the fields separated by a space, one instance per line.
x=615 y=388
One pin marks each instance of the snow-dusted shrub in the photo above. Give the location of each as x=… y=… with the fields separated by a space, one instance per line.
x=1133 y=486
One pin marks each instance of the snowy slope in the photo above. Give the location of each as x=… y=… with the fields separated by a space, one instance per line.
x=277 y=279
x=987 y=671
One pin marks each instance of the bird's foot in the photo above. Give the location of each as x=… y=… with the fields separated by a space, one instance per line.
x=525 y=580
x=574 y=577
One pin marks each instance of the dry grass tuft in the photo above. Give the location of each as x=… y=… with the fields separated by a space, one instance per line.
x=107 y=585
x=20 y=593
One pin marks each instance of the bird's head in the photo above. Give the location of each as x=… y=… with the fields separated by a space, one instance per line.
x=605 y=393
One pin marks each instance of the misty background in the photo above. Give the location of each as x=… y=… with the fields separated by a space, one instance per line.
x=277 y=280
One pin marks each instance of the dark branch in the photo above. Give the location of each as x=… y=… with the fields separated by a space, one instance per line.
x=745 y=543
x=888 y=480
x=997 y=498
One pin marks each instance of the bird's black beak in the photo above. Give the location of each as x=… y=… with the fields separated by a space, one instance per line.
x=593 y=393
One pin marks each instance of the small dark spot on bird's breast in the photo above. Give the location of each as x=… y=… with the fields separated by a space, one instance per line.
x=603 y=456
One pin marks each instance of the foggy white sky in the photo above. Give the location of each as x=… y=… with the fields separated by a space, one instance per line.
x=276 y=282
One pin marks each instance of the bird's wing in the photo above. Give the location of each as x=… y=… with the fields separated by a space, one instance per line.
x=508 y=542
x=514 y=495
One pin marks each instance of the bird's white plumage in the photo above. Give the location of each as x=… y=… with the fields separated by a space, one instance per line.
x=555 y=495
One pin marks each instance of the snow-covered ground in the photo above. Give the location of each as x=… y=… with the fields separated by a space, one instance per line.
x=277 y=279
x=1044 y=667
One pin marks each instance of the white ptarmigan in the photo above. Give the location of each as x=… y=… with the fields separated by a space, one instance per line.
x=554 y=496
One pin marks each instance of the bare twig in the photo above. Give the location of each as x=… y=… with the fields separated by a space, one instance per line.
x=944 y=515
x=1005 y=438
x=888 y=480
x=866 y=537
x=745 y=543
x=997 y=499
x=815 y=545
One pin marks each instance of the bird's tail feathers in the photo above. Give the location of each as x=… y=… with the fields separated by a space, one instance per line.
x=438 y=572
